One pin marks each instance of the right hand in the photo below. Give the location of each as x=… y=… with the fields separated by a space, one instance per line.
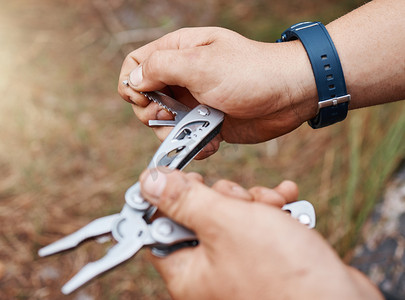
x=259 y=86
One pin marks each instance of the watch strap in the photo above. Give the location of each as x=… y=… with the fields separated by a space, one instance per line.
x=330 y=82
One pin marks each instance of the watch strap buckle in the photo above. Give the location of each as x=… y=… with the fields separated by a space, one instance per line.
x=333 y=101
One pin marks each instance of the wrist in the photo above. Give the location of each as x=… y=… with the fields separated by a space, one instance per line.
x=299 y=90
x=333 y=99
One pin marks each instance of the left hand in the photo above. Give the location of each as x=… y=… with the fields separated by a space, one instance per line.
x=249 y=248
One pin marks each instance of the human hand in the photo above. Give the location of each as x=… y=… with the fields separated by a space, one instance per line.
x=249 y=248
x=249 y=81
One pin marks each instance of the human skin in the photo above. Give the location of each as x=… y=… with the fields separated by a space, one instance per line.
x=267 y=89
x=248 y=248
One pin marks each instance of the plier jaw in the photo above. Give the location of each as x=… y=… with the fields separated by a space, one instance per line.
x=133 y=228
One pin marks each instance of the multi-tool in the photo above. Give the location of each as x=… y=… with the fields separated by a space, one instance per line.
x=134 y=227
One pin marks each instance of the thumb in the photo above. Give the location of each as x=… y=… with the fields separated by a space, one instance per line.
x=182 y=198
x=166 y=67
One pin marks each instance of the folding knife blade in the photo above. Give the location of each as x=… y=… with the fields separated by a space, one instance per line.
x=178 y=109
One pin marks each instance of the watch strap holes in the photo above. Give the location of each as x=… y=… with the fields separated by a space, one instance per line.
x=324 y=57
x=329 y=77
x=327 y=67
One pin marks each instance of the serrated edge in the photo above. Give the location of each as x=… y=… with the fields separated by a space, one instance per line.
x=159 y=103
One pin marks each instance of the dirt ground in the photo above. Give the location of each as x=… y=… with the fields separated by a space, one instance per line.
x=70 y=147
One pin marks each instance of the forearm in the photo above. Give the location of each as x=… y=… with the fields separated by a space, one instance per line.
x=371 y=45
x=268 y=89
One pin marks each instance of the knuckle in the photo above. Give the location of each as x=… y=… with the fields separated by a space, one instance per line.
x=195 y=176
x=177 y=193
x=144 y=117
x=140 y=114
x=123 y=94
x=130 y=58
x=222 y=184
x=149 y=65
x=127 y=60
x=121 y=91
x=180 y=34
x=140 y=100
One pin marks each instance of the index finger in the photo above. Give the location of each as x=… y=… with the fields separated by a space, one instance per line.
x=285 y=192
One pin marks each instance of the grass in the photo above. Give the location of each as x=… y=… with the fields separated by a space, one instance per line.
x=376 y=149
x=70 y=147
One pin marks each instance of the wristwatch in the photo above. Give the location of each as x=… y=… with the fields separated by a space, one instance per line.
x=333 y=99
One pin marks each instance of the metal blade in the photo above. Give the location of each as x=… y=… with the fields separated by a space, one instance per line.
x=95 y=228
x=168 y=123
x=175 y=107
x=115 y=256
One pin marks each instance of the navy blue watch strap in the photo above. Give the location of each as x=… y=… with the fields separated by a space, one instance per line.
x=330 y=82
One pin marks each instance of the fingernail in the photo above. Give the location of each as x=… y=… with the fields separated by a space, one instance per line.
x=135 y=77
x=153 y=184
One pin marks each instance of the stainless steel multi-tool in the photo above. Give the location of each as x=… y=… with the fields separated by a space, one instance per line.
x=133 y=227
